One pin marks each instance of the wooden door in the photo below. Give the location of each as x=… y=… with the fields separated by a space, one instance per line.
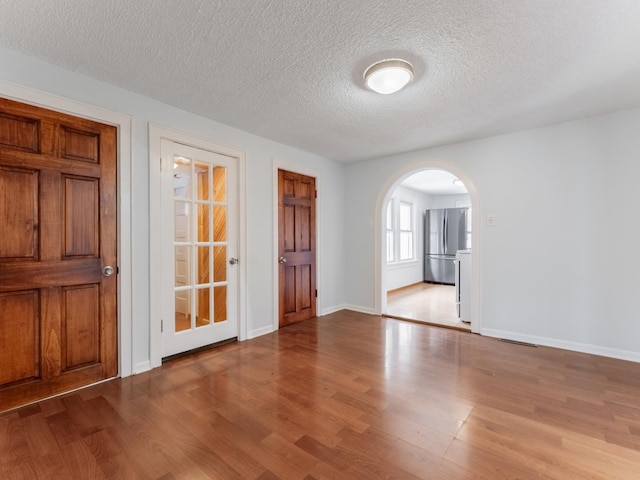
x=58 y=311
x=199 y=246
x=296 y=247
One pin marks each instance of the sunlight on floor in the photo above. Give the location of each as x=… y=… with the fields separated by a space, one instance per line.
x=426 y=302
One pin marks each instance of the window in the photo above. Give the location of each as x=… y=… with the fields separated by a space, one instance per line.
x=400 y=231
x=406 y=231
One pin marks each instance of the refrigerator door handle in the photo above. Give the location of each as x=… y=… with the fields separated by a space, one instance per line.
x=444 y=232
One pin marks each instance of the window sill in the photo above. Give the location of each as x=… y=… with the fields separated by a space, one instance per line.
x=402 y=264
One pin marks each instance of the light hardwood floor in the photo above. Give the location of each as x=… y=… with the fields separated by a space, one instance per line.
x=346 y=396
x=426 y=302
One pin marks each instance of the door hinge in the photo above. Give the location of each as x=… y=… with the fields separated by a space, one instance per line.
x=161 y=325
x=316 y=193
x=316 y=293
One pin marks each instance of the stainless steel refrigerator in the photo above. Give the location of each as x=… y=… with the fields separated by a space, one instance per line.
x=447 y=230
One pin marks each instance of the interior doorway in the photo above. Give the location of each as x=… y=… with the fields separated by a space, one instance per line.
x=217 y=267
x=409 y=287
x=199 y=248
x=296 y=247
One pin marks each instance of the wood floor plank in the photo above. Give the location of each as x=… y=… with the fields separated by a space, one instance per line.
x=347 y=396
x=426 y=302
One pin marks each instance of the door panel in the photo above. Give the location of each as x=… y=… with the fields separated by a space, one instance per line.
x=81 y=210
x=19 y=132
x=199 y=204
x=19 y=213
x=297 y=236
x=19 y=338
x=80 y=333
x=58 y=313
x=78 y=145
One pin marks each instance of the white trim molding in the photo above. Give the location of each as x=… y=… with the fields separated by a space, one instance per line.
x=156 y=134
x=563 y=344
x=334 y=309
x=360 y=309
x=258 y=332
x=124 y=125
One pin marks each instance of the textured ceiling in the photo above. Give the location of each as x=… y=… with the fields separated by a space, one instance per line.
x=291 y=70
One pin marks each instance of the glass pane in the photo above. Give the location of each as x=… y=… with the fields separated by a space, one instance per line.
x=405 y=216
x=203 y=223
x=390 y=216
x=202 y=179
x=181 y=221
x=181 y=177
x=220 y=304
x=406 y=245
x=183 y=262
x=203 y=311
x=219 y=223
x=219 y=184
x=203 y=265
x=183 y=308
x=219 y=264
x=389 y=246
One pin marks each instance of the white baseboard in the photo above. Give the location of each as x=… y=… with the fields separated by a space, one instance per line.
x=357 y=308
x=142 y=367
x=330 y=310
x=563 y=344
x=259 y=332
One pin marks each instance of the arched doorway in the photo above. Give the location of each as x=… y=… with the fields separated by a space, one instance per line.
x=380 y=233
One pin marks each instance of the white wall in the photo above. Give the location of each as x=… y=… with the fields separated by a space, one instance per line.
x=260 y=154
x=407 y=273
x=450 y=201
x=559 y=266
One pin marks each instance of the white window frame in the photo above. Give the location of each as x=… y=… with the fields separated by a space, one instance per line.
x=395 y=233
x=402 y=232
x=390 y=232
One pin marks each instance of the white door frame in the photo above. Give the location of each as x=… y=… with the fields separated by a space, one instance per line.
x=125 y=206
x=380 y=229
x=309 y=172
x=156 y=135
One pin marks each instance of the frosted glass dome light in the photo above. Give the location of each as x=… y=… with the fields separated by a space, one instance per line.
x=388 y=76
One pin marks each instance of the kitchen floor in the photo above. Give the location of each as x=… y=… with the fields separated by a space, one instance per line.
x=426 y=302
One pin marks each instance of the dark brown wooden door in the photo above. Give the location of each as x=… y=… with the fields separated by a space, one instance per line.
x=296 y=247
x=58 y=312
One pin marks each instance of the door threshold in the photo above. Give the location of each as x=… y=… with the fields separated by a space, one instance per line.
x=431 y=324
x=188 y=353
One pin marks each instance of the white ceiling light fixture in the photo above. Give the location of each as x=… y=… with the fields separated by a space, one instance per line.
x=388 y=76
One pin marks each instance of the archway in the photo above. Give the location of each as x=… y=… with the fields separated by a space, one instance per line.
x=383 y=197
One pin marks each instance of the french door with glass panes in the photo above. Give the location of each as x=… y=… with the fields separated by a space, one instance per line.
x=199 y=245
